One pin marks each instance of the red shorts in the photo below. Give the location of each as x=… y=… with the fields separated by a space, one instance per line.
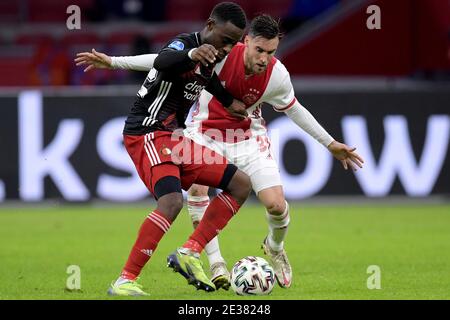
x=161 y=154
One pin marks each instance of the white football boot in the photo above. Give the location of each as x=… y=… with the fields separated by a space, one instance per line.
x=220 y=275
x=280 y=264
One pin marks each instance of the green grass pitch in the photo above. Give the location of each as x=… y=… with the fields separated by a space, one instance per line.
x=330 y=248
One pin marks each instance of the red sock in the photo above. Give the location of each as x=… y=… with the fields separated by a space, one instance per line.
x=221 y=209
x=150 y=233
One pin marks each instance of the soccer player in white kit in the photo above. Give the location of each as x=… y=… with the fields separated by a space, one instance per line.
x=253 y=75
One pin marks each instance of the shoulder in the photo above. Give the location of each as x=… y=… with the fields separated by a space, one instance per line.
x=279 y=72
x=182 y=41
x=237 y=52
x=238 y=47
x=279 y=92
x=280 y=80
x=232 y=60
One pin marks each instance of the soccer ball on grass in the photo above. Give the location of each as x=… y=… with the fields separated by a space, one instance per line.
x=252 y=276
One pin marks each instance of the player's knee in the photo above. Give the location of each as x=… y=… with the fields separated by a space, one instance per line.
x=276 y=207
x=197 y=190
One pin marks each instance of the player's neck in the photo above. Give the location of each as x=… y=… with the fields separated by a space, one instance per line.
x=201 y=35
x=247 y=66
x=248 y=71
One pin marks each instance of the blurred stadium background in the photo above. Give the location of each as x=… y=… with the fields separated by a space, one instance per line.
x=385 y=91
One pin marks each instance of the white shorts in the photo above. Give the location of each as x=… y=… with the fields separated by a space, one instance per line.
x=252 y=156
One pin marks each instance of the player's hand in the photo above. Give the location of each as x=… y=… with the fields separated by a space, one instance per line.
x=205 y=54
x=238 y=109
x=93 y=60
x=348 y=157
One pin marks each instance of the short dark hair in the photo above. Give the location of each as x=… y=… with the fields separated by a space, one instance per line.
x=265 y=26
x=229 y=11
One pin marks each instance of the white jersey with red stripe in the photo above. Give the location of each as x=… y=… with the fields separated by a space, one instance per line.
x=272 y=86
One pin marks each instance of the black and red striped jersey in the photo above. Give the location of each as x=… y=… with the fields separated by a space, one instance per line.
x=171 y=87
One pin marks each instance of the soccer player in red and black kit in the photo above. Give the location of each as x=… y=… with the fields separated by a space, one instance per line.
x=181 y=71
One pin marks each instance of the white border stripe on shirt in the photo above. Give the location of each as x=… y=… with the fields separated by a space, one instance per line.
x=162 y=88
x=155 y=105
x=146 y=121
x=156 y=109
x=158 y=97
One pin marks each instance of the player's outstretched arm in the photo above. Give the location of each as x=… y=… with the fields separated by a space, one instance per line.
x=305 y=120
x=284 y=101
x=99 y=60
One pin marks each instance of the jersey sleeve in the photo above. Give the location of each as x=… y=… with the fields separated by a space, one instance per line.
x=177 y=44
x=283 y=97
x=216 y=89
x=139 y=63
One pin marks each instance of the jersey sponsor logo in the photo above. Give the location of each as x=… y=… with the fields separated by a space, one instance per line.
x=177 y=45
x=192 y=90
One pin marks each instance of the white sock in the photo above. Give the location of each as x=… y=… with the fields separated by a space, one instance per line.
x=196 y=208
x=212 y=250
x=278 y=227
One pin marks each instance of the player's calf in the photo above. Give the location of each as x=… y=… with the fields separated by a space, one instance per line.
x=239 y=187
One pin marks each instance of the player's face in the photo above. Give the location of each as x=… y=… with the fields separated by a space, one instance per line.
x=259 y=51
x=223 y=36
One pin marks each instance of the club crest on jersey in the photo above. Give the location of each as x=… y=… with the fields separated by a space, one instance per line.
x=165 y=151
x=177 y=45
x=251 y=97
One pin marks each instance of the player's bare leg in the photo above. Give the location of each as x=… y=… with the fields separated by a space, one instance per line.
x=277 y=213
x=198 y=201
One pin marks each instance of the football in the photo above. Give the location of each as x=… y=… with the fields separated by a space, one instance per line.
x=252 y=276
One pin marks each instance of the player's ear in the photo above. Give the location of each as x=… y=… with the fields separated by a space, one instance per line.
x=210 y=24
x=246 y=40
